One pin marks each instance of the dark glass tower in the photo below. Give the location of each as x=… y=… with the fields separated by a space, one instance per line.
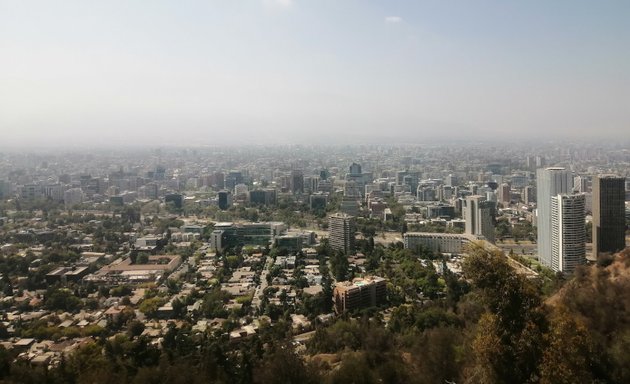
x=609 y=222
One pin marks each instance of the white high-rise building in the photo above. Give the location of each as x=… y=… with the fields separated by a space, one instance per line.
x=549 y=182
x=479 y=216
x=568 y=234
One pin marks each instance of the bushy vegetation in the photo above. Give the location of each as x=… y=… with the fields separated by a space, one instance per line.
x=492 y=326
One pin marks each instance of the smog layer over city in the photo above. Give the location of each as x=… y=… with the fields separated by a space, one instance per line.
x=330 y=191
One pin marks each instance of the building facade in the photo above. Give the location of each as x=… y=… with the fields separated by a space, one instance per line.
x=230 y=235
x=454 y=243
x=549 y=182
x=359 y=293
x=225 y=200
x=479 y=215
x=263 y=196
x=297 y=182
x=609 y=221
x=568 y=234
x=342 y=228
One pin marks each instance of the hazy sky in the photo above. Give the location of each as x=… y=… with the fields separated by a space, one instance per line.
x=296 y=71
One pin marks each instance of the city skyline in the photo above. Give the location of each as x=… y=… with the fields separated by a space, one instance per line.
x=134 y=253
x=297 y=72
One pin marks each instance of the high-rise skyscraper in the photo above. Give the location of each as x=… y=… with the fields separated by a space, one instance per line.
x=550 y=182
x=451 y=180
x=356 y=180
x=609 y=222
x=342 y=228
x=297 y=181
x=355 y=169
x=479 y=215
x=505 y=193
x=568 y=235
x=225 y=200
x=529 y=194
x=233 y=178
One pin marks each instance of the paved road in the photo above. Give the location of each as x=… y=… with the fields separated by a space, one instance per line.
x=259 y=292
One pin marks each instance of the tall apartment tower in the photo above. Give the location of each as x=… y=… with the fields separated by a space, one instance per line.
x=549 y=182
x=529 y=194
x=341 y=228
x=568 y=234
x=297 y=181
x=505 y=193
x=609 y=222
x=479 y=216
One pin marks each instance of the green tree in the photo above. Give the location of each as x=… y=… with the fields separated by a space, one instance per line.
x=568 y=357
x=436 y=355
x=213 y=303
x=135 y=328
x=150 y=306
x=339 y=265
x=509 y=340
x=62 y=299
x=282 y=366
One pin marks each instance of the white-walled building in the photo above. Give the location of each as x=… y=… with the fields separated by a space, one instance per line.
x=550 y=182
x=568 y=235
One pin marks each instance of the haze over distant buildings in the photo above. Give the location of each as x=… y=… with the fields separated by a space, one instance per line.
x=297 y=71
